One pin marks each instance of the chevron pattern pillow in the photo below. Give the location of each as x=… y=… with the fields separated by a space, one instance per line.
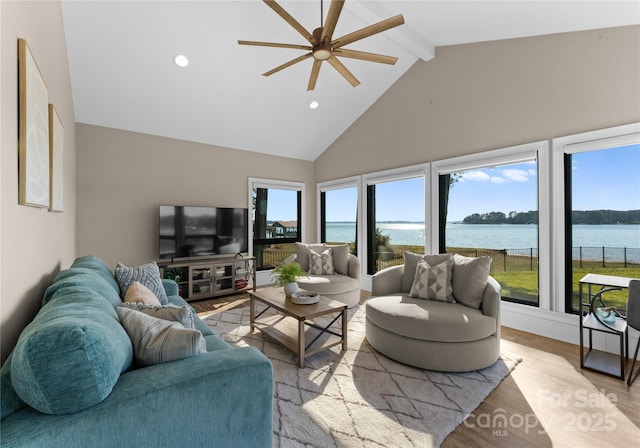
x=321 y=264
x=433 y=282
x=147 y=274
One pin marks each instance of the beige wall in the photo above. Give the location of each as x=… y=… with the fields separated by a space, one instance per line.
x=491 y=95
x=35 y=244
x=124 y=176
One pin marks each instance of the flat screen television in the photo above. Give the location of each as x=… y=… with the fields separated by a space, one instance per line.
x=186 y=231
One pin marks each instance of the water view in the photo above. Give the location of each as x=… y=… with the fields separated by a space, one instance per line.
x=500 y=236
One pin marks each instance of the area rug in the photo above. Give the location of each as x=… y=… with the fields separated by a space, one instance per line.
x=360 y=398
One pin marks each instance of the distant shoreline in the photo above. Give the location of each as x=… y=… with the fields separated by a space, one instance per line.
x=500 y=236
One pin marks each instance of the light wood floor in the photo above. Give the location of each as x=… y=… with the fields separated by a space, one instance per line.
x=547 y=401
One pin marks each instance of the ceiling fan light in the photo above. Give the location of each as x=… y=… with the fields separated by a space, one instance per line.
x=322 y=52
x=314 y=105
x=181 y=60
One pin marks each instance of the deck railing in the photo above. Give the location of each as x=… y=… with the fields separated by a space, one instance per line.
x=504 y=260
x=526 y=259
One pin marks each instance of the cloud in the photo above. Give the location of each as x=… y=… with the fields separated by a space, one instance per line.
x=479 y=176
x=507 y=175
x=516 y=175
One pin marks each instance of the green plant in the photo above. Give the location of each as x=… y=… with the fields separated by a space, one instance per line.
x=382 y=239
x=287 y=273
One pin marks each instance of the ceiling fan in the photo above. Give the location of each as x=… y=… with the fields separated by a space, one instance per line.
x=324 y=48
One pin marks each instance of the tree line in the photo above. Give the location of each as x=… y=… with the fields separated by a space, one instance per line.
x=577 y=216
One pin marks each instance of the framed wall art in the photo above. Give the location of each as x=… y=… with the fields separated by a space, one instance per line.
x=33 y=135
x=56 y=148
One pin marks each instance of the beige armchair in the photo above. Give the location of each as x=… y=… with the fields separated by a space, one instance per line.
x=343 y=285
x=434 y=334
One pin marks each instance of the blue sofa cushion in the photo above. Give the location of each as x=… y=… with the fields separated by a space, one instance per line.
x=215 y=342
x=71 y=355
x=83 y=277
x=147 y=274
x=98 y=266
x=170 y=287
x=11 y=402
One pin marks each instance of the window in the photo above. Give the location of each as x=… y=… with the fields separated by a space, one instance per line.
x=601 y=209
x=488 y=205
x=395 y=217
x=338 y=205
x=276 y=220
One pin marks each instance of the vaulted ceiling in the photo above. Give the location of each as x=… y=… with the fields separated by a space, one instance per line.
x=123 y=75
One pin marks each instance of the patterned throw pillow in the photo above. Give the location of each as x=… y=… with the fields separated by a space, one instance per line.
x=411 y=261
x=181 y=314
x=147 y=274
x=321 y=264
x=302 y=253
x=138 y=293
x=433 y=283
x=157 y=340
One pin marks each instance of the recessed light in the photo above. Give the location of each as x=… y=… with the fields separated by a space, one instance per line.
x=181 y=60
x=314 y=105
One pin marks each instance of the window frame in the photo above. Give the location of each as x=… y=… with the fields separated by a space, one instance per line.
x=396 y=174
x=348 y=182
x=276 y=185
x=573 y=144
x=511 y=155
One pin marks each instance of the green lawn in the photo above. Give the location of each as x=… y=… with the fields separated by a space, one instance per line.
x=616 y=298
x=523 y=285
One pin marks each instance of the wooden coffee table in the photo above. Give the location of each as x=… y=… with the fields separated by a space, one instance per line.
x=292 y=324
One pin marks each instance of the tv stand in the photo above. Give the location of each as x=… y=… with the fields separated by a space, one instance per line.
x=206 y=278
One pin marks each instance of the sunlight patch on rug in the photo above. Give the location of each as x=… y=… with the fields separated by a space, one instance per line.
x=360 y=398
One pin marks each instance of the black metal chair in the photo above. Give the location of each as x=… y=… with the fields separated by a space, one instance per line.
x=633 y=320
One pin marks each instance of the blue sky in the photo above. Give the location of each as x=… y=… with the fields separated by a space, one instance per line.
x=500 y=189
x=609 y=179
x=604 y=179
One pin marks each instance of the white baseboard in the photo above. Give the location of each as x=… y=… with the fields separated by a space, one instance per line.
x=365 y=283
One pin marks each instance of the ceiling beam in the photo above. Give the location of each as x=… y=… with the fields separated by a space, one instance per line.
x=405 y=36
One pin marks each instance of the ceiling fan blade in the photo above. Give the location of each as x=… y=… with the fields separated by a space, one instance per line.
x=343 y=70
x=314 y=74
x=287 y=64
x=370 y=30
x=332 y=19
x=364 y=56
x=274 y=44
x=291 y=21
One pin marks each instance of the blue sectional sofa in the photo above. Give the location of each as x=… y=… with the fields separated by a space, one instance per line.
x=71 y=380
